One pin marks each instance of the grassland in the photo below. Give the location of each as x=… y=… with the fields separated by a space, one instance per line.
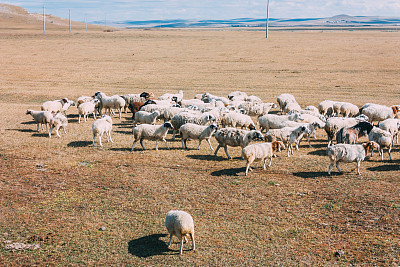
x=60 y=192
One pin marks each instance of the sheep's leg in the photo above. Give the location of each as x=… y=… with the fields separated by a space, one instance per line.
x=208 y=141
x=109 y=134
x=226 y=152
x=390 y=157
x=51 y=129
x=37 y=127
x=94 y=137
x=94 y=114
x=133 y=145
x=216 y=150
x=358 y=167
x=330 y=168
x=173 y=134
x=337 y=166
x=181 y=248
x=269 y=163
x=79 y=118
x=247 y=167
x=193 y=243
x=120 y=112
x=290 y=149
x=309 y=143
x=170 y=240
x=198 y=147
x=64 y=130
x=166 y=144
x=185 y=239
x=100 y=136
x=141 y=142
x=184 y=144
x=58 y=131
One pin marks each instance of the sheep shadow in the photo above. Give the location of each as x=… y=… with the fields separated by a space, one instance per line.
x=23 y=130
x=148 y=246
x=28 y=122
x=122 y=149
x=124 y=132
x=229 y=172
x=80 y=143
x=311 y=175
x=40 y=134
x=206 y=157
x=319 y=152
x=385 y=168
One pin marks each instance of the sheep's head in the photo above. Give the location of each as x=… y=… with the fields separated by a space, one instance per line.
x=362 y=117
x=305 y=130
x=252 y=127
x=98 y=94
x=371 y=145
x=28 y=112
x=64 y=100
x=213 y=127
x=395 y=110
x=168 y=125
x=145 y=95
x=256 y=135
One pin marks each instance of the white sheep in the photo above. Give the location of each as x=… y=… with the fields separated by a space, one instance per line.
x=392 y=126
x=180 y=224
x=349 y=153
x=349 y=110
x=283 y=99
x=235 y=137
x=57 y=105
x=41 y=117
x=57 y=122
x=110 y=102
x=336 y=107
x=207 y=97
x=151 y=132
x=379 y=113
x=312 y=127
x=272 y=121
x=312 y=108
x=334 y=124
x=188 y=117
x=237 y=95
x=261 y=152
x=130 y=98
x=87 y=108
x=169 y=96
x=383 y=138
x=101 y=126
x=326 y=108
x=288 y=135
x=236 y=119
x=146 y=117
x=197 y=132
x=83 y=99
x=254 y=99
x=291 y=106
x=256 y=109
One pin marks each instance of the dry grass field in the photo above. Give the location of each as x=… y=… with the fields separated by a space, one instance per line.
x=59 y=192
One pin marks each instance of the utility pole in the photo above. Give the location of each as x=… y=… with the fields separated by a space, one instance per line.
x=266 y=26
x=44 y=20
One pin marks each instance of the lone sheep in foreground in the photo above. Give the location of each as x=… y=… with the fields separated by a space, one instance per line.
x=101 y=126
x=349 y=153
x=151 y=132
x=198 y=132
x=261 y=152
x=41 y=117
x=57 y=122
x=180 y=224
x=235 y=137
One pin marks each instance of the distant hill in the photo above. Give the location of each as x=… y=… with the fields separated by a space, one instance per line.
x=339 y=20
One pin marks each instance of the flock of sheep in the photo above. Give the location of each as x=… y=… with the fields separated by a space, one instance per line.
x=200 y=118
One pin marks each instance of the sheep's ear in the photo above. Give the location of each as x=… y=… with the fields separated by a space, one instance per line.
x=64 y=100
x=365 y=145
x=395 y=109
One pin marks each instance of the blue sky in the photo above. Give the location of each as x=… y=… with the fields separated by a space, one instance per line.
x=121 y=10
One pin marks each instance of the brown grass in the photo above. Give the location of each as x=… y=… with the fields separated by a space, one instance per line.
x=292 y=214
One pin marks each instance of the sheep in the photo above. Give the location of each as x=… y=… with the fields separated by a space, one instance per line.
x=392 y=126
x=180 y=224
x=130 y=98
x=83 y=99
x=184 y=117
x=41 y=117
x=207 y=97
x=237 y=95
x=256 y=109
x=86 y=108
x=313 y=109
x=326 y=108
x=334 y=124
x=236 y=119
x=349 y=135
x=57 y=105
x=136 y=106
x=383 y=139
x=151 y=132
x=57 y=122
x=153 y=107
x=283 y=99
x=291 y=106
x=235 y=137
x=379 y=113
x=110 y=102
x=336 y=107
x=254 y=99
x=101 y=126
x=272 y=121
x=288 y=135
x=146 y=117
x=261 y=152
x=349 y=110
x=198 y=132
x=169 y=96
x=312 y=126
x=349 y=153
